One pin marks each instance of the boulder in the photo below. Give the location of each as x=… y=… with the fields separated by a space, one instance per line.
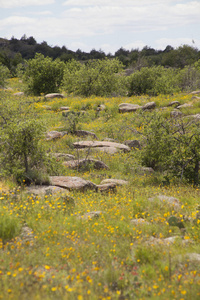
x=18 y=94
x=52 y=135
x=195 y=98
x=63 y=156
x=168 y=200
x=83 y=133
x=114 y=181
x=133 y=144
x=174 y=103
x=72 y=183
x=149 y=105
x=128 y=107
x=45 y=190
x=64 y=108
x=108 y=187
x=176 y=113
x=94 y=144
x=54 y=95
x=108 y=150
x=101 y=107
x=84 y=163
x=186 y=105
x=139 y=221
x=144 y=170
x=195 y=92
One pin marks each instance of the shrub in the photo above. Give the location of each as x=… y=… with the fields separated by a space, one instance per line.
x=96 y=77
x=9 y=226
x=189 y=77
x=153 y=81
x=4 y=74
x=43 y=75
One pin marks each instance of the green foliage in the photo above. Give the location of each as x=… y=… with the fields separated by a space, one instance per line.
x=4 y=74
x=189 y=77
x=21 y=134
x=9 y=226
x=43 y=75
x=172 y=146
x=152 y=81
x=96 y=77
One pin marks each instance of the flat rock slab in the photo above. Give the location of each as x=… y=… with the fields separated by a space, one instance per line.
x=84 y=163
x=186 y=105
x=52 y=135
x=169 y=200
x=84 y=133
x=174 y=103
x=72 y=183
x=54 y=95
x=128 y=107
x=18 y=94
x=64 y=108
x=149 y=105
x=63 y=156
x=94 y=144
x=105 y=188
x=46 y=190
x=114 y=181
x=195 y=92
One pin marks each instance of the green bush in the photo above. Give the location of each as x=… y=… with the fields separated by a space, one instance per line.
x=152 y=81
x=189 y=77
x=43 y=75
x=9 y=226
x=96 y=77
x=4 y=74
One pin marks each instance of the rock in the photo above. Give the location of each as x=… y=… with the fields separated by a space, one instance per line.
x=91 y=215
x=169 y=200
x=114 y=181
x=64 y=108
x=197 y=116
x=193 y=257
x=109 y=150
x=186 y=105
x=63 y=156
x=52 y=135
x=195 y=92
x=174 y=103
x=45 y=190
x=149 y=105
x=144 y=170
x=133 y=144
x=195 y=98
x=85 y=163
x=140 y=221
x=72 y=183
x=85 y=133
x=47 y=107
x=109 y=187
x=54 y=95
x=101 y=107
x=19 y=94
x=128 y=107
x=166 y=241
x=94 y=144
x=176 y=113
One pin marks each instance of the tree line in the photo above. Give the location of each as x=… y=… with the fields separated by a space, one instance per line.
x=15 y=51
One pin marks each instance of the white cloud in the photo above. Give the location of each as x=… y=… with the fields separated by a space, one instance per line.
x=162 y=43
x=21 y=3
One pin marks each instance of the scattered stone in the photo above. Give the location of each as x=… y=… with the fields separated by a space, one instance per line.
x=140 y=221
x=133 y=144
x=144 y=170
x=174 y=103
x=114 y=181
x=109 y=187
x=128 y=107
x=52 y=135
x=186 y=105
x=85 y=133
x=197 y=116
x=84 y=163
x=45 y=190
x=169 y=200
x=101 y=107
x=72 y=183
x=19 y=94
x=195 y=98
x=47 y=107
x=176 y=113
x=64 y=108
x=167 y=241
x=91 y=215
x=63 y=156
x=54 y=95
x=149 y=105
x=193 y=257
x=94 y=144
x=195 y=92
x=108 y=150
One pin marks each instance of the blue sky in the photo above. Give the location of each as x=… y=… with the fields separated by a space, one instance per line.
x=103 y=24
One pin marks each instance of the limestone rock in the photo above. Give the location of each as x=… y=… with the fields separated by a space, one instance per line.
x=195 y=92
x=186 y=105
x=18 y=94
x=45 y=190
x=64 y=108
x=54 y=95
x=176 y=113
x=128 y=107
x=94 y=144
x=85 y=133
x=72 y=183
x=174 y=103
x=140 y=221
x=166 y=199
x=52 y=135
x=84 y=163
x=114 y=181
x=63 y=156
x=144 y=170
x=108 y=187
x=149 y=105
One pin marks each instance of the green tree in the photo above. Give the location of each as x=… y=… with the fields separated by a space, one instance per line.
x=4 y=74
x=43 y=75
x=96 y=77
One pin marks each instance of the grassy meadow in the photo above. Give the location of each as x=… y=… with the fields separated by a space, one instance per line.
x=48 y=251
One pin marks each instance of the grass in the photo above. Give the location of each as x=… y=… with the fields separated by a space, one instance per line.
x=109 y=257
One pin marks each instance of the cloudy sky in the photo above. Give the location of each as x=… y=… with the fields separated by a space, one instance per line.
x=103 y=24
